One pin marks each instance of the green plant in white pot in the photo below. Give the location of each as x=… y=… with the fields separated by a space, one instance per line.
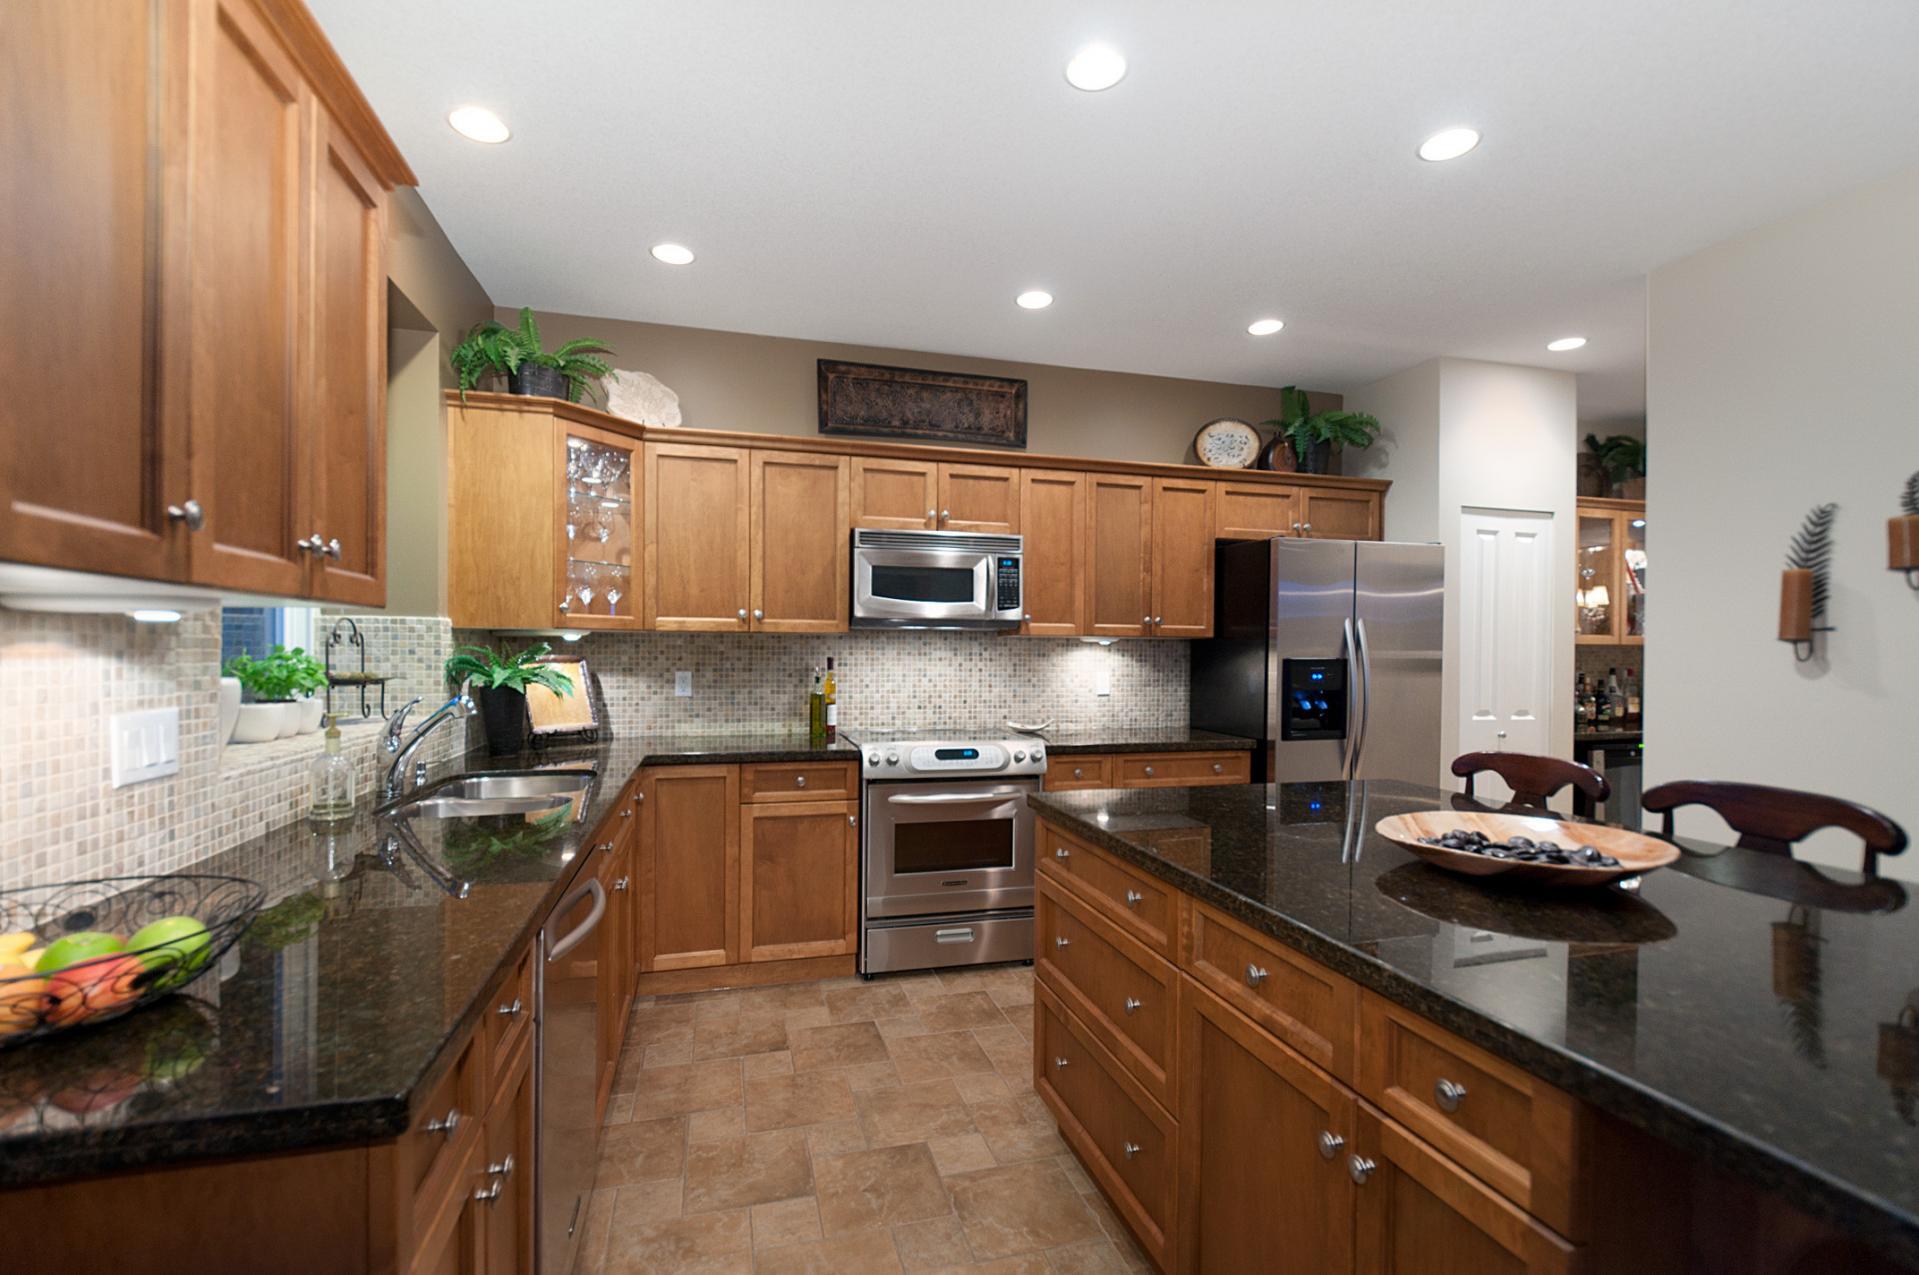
x=272 y=686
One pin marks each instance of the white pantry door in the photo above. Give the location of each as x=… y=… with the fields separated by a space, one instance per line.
x=1505 y=636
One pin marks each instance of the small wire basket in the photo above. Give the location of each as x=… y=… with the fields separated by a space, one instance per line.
x=108 y=979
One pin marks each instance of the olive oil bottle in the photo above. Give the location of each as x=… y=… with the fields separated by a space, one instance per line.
x=832 y=703
x=816 y=709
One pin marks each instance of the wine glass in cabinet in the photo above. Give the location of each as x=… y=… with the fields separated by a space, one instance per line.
x=599 y=511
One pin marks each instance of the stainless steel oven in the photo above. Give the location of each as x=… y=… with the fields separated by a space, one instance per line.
x=936 y=580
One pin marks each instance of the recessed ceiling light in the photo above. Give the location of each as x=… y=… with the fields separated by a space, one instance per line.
x=154 y=615
x=1034 y=300
x=1264 y=327
x=673 y=254
x=1565 y=343
x=1096 y=67
x=478 y=124
x=1449 y=143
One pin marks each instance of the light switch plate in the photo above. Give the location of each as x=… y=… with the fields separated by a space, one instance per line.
x=683 y=685
x=145 y=745
x=1104 y=683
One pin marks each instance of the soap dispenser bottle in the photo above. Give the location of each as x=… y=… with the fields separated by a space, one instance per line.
x=330 y=780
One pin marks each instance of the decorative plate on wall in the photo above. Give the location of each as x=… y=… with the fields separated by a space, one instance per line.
x=1227 y=444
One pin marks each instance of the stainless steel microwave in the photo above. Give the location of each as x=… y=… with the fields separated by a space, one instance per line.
x=936 y=580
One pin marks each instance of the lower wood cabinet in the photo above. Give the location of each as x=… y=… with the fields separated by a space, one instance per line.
x=1148 y=770
x=799 y=877
x=689 y=867
x=505 y=1192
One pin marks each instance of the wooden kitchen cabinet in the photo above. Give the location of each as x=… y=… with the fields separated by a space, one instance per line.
x=1119 y=529
x=799 y=878
x=1264 y=1183
x=1334 y=514
x=689 y=878
x=800 y=516
x=898 y=495
x=1248 y=511
x=983 y=498
x=1052 y=509
x=503 y=1195
x=614 y=977
x=1182 y=545
x=698 y=537
x=597 y=495
x=1610 y=587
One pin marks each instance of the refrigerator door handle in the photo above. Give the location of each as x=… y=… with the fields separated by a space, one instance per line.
x=1349 y=648
x=1366 y=694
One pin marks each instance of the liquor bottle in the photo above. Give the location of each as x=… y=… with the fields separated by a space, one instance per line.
x=1592 y=707
x=1579 y=701
x=1604 y=702
x=816 y=709
x=832 y=703
x=1615 y=695
x=1632 y=695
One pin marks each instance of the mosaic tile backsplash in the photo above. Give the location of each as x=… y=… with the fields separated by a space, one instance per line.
x=62 y=677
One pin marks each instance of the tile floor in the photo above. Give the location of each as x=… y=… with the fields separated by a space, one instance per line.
x=843 y=1127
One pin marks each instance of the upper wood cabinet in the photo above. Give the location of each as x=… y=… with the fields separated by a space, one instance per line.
x=982 y=498
x=1334 y=514
x=698 y=537
x=599 y=572
x=1052 y=509
x=1610 y=589
x=1119 y=527
x=1182 y=558
x=801 y=554
x=900 y=495
x=208 y=214
x=1256 y=512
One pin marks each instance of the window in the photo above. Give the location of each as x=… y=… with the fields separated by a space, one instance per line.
x=257 y=630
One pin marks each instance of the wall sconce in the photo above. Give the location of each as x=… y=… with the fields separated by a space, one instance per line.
x=1803 y=586
x=1902 y=534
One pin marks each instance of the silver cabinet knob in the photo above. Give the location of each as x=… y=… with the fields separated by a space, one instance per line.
x=758 y=614
x=622 y=883
x=331 y=549
x=1061 y=852
x=1062 y=941
x=1134 y=898
x=1308 y=527
x=1360 y=1168
x=1295 y=528
x=1130 y=1148
x=1149 y=772
x=189 y=513
x=799 y=781
x=852 y=821
x=1133 y=1004
x=1059 y=1064
x=627 y=813
x=945 y=514
x=1028 y=617
x=1255 y=976
x=932 y=515
x=605 y=847
x=1079 y=772
x=1448 y=1094
x=1218 y=769
x=499 y=1171
x=308 y=544
x=448 y=1124
x=1329 y=1144
x=1159 y=619
x=742 y=613
x=509 y=1011
x=1146 y=619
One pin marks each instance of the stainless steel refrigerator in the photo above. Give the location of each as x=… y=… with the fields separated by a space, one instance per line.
x=1328 y=653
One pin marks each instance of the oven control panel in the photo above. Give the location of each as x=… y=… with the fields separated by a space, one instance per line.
x=1010 y=757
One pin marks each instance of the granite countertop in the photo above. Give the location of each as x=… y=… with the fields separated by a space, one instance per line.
x=1170 y=739
x=1759 y=1013
x=334 y=1010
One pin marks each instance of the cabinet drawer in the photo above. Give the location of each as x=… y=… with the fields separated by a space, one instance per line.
x=1065 y=774
x=1128 y=1145
x=1182 y=770
x=508 y=1015
x=1515 y=1133
x=445 y=1127
x=1304 y=1004
x=1120 y=990
x=797 y=781
x=1142 y=906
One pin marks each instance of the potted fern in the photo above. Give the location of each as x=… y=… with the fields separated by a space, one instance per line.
x=494 y=349
x=1314 y=435
x=498 y=685
x=1623 y=457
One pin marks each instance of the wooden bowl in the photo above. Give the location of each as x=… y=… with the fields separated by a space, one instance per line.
x=1636 y=854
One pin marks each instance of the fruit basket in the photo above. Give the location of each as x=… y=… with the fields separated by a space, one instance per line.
x=85 y=952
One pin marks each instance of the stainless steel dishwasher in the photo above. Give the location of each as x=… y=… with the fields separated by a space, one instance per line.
x=566 y=1016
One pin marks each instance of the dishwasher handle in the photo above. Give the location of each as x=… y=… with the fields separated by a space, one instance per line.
x=573 y=940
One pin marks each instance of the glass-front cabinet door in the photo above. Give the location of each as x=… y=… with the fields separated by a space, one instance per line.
x=597 y=576
x=1610 y=588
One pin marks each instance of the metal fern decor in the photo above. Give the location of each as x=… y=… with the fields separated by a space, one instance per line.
x=1806 y=585
x=1902 y=534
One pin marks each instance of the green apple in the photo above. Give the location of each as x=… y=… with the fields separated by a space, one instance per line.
x=176 y=943
x=87 y=945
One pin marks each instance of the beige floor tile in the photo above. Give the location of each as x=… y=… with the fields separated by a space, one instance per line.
x=808 y=1098
x=1094 y=1257
x=648 y=1019
x=932 y=1245
x=619 y=1108
x=1013 y=996
x=933 y=1057
x=668 y=1053
x=642 y=1150
x=840 y=1045
x=811 y=1016
x=780 y=998
x=688 y=1087
x=740 y=1172
x=1024 y=1264
x=777 y=1063
x=982 y=1088
x=961 y=1011
x=707 y=1244
x=786 y=1222
x=871 y=1076
x=919 y=986
x=1019 y=1208
x=962 y=1153
x=1116 y=1231
x=835 y=1139
x=593 y=1231
x=913 y=1113
x=870 y=1253
x=650 y=1201
x=715 y=1125
x=745 y=1034
x=1023 y=1024
x=1014 y=1134
x=905 y=1025
x=1070 y=1165
x=867 y=1002
x=717 y=1005
x=882 y=1188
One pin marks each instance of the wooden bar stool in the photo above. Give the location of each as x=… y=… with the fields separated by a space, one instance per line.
x=1773 y=819
x=1532 y=778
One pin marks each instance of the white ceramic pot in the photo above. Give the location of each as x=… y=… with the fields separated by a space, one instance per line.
x=257 y=723
x=229 y=708
x=312 y=713
x=289 y=718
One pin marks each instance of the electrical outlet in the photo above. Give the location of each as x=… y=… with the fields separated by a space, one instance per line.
x=1104 y=684
x=144 y=746
x=683 y=685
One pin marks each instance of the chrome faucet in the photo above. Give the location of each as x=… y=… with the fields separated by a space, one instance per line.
x=396 y=782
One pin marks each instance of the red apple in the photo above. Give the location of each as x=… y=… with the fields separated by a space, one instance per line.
x=93 y=988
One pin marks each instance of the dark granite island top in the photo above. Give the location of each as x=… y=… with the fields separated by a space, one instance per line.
x=333 y=1012
x=1170 y=739
x=1776 y=1039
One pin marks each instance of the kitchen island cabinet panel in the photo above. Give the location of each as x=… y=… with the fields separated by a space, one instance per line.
x=689 y=867
x=698 y=538
x=1052 y=509
x=1120 y=990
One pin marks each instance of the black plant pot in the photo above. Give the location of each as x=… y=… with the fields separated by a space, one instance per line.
x=503 y=713
x=538 y=379
x=1317 y=459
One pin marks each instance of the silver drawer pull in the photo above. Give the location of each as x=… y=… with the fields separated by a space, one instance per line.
x=962 y=934
x=509 y=1011
x=499 y=1171
x=1059 y=1064
x=1133 y=1004
x=1218 y=769
x=1329 y=1144
x=1254 y=976
x=604 y=847
x=447 y=1124
x=1449 y=1094
x=1061 y=852
x=1062 y=941
x=1149 y=772
x=799 y=781
x=1134 y=898
x=1079 y=773
x=1130 y=1148
x=1360 y=1168
x=622 y=883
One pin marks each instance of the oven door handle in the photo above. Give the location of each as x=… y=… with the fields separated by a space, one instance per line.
x=953 y=799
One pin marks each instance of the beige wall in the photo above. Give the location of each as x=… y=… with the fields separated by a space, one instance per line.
x=423 y=264
x=770 y=385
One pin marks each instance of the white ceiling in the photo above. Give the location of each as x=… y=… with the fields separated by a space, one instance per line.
x=893 y=172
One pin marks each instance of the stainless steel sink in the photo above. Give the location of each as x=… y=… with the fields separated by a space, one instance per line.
x=476 y=807
x=509 y=785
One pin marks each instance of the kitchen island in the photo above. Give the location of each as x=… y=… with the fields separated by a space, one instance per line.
x=1711 y=1072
